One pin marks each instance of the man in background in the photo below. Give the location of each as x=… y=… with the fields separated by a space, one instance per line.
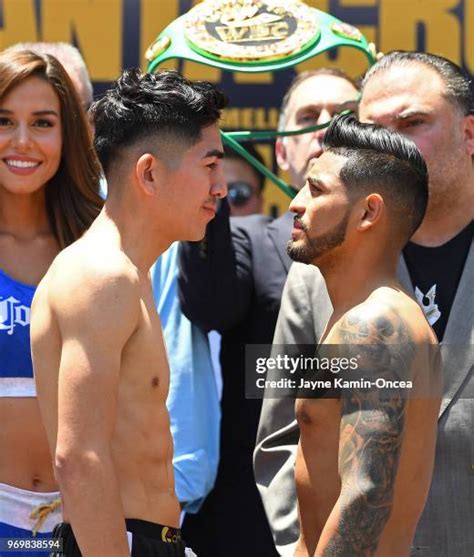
x=244 y=182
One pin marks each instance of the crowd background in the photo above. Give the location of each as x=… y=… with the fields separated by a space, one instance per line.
x=114 y=34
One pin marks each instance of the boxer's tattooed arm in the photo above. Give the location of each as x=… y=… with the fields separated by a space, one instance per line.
x=371 y=431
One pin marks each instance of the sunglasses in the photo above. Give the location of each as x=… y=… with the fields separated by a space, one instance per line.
x=239 y=193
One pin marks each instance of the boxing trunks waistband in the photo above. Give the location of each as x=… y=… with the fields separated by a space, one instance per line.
x=145 y=539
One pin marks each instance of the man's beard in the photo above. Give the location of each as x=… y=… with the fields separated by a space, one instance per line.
x=311 y=249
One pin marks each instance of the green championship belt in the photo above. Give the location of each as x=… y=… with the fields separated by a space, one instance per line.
x=254 y=36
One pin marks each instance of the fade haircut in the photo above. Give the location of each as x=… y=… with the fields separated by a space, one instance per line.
x=457 y=85
x=303 y=76
x=385 y=162
x=163 y=104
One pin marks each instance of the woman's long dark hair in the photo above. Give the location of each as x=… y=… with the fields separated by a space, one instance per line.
x=72 y=194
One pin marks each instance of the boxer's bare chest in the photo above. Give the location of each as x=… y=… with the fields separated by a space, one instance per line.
x=144 y=359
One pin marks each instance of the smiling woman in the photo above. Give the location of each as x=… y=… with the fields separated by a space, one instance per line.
x=30 y=136
x=49 y=183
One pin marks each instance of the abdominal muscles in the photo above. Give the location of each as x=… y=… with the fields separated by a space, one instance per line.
x=142 y=452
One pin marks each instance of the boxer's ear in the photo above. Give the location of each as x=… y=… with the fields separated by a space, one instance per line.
x=371 y=210
x=148 y=170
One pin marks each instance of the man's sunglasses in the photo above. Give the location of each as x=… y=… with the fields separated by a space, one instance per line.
x=239 y=193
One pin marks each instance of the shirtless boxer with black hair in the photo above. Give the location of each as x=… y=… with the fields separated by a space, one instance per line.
x=365 y=456
x=100 y=363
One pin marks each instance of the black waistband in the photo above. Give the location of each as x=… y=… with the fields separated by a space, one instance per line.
x=166 y=534
x=153 y=530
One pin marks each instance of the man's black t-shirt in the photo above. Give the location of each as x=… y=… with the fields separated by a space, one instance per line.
x=435 y=274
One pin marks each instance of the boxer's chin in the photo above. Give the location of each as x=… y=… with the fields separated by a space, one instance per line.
x=298 y=251
x=198 y=237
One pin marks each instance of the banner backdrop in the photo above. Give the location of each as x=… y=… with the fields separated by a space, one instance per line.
x=114 y=34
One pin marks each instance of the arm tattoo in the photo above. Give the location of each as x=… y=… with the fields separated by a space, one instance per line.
x=371 y=431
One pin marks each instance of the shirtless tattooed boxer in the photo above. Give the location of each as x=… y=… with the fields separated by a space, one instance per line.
x=365 y=457
x=99 y=359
